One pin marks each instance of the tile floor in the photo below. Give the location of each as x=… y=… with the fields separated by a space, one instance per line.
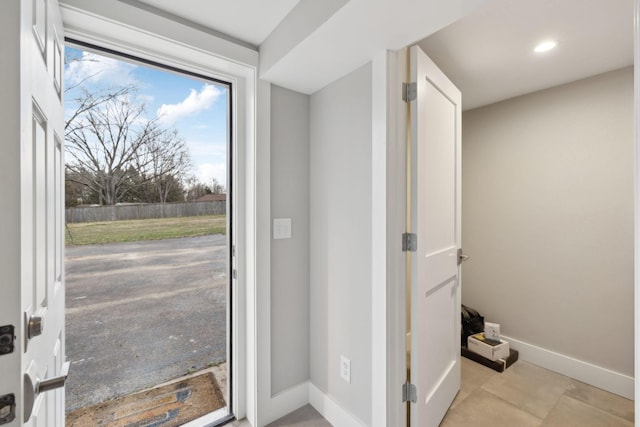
x=524 y=395
x=306 y=416
x=527 y=395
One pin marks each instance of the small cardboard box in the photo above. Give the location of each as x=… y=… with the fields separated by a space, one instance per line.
x=492 y=350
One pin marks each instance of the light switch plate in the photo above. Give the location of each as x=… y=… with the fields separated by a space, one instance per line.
x=282 y=228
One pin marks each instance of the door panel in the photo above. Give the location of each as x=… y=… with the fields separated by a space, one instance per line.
x=31 y=245
x=436 y=169
x=435 y=281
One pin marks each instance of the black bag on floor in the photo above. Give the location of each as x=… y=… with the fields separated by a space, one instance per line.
x=472 y=323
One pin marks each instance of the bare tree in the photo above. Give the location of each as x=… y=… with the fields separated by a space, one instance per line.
x=112 y=147
x=216 y=187
x=87 y=101
x=196 y=188
x=164 y=162
x=75 y=192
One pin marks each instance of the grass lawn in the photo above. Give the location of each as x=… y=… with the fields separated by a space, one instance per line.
x=89 y=233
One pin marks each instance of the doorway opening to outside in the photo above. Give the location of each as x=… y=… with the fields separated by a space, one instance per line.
x=148 y=232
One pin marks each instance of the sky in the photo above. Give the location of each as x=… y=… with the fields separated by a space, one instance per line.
x=197 y=109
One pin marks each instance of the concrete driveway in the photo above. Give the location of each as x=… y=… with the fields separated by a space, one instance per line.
x=139 y=314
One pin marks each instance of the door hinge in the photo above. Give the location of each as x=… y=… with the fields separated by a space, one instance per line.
x=409 y=393
x=233 y=250
x=409 y=91
x=409 y=242
x=234 y=274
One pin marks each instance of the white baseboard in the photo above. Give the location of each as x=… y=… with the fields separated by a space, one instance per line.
x=288 y=401
x=614 y=382
x=304 y=393
x=331 y=411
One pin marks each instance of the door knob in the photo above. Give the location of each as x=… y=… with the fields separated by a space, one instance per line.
x=461 y=256
x=35 y=325
x=33 y=388
x=55 y=382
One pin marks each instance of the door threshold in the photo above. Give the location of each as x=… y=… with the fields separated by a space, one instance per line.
x=196 y=399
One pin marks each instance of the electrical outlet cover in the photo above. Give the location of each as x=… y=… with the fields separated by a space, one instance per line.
x=345 y=369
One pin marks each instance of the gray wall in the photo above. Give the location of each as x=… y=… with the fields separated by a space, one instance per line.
x=340 y=185
x=548 y=218
x=290 y=257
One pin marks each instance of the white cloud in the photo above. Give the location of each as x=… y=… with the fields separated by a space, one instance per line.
x=208 y=171
x=92 y=68
x=145 y=98
x=195 y=102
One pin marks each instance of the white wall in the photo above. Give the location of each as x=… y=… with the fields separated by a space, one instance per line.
x=548 y=218
x=290 y=257
x=340 y=220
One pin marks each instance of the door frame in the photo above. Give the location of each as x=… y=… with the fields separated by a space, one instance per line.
x=636 y=138
x=136 y=33
x=396 y=226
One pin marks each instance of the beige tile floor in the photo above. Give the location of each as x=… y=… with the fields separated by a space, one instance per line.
x=524 y=395
x=527 y=395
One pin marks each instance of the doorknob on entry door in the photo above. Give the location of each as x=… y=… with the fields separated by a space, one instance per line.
x=34 y=323
x=33 y=388
x=35 y=326
x=55 y=382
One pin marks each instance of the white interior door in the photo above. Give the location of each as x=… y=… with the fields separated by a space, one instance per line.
x=435 y=279
x=31 y=215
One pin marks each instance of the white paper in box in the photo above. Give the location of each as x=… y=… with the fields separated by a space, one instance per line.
x=489 y=349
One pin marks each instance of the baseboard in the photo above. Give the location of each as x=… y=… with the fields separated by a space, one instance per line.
x=331 y=411
x=614 y=382
x=287 y=401
x=304 y=393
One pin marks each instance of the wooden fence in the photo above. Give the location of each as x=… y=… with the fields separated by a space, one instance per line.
x=144 y=211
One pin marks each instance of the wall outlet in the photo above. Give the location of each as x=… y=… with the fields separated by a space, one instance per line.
x=345 y=369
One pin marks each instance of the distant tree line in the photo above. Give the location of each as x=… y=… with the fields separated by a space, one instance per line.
x=115 y=154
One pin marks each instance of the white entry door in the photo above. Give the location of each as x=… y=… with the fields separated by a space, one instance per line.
x=31 y=215
x=435 y=283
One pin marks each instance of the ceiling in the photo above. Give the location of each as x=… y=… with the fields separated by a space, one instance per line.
x=306 y=44
x=489 y=53
x=249 y=21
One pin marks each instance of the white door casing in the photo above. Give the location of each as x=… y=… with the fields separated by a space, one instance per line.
x=435 y=218
x=32 y=208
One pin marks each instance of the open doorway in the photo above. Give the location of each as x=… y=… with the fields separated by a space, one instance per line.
x=148 y=231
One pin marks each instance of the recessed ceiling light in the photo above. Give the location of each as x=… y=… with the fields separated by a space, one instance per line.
x=545 y=46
